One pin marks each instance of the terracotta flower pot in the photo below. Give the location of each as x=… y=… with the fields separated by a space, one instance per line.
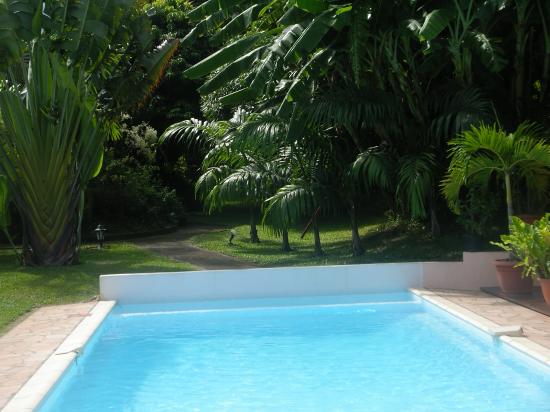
x=545 y=287
x=510 y=278
x=530 y=219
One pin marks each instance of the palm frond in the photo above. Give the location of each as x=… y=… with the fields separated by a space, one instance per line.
x=415 y=182
x=374 y=168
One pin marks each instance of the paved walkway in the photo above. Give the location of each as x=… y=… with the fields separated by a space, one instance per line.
x=176 y=245
x=534 y=301
x=536 y=326
x=28 y=344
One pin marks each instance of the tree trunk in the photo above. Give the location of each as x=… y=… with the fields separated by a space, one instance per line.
x=509 y=202
x=356 y=244
x=317 y=237
x=546 y=65
x=253 y=229
x=286 y=243
x=523 y=11
x=42 y=248
x=434 y=223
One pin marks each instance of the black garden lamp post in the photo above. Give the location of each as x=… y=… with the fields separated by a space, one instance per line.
x=100 y=235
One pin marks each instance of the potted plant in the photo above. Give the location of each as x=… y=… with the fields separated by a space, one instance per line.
x=484 y=152
x=530 y=244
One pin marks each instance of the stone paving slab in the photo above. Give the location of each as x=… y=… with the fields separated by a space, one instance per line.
x=28 y=344
x=534 y=301
x=536 y=326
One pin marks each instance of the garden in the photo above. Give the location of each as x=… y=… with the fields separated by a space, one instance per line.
x=307 y=131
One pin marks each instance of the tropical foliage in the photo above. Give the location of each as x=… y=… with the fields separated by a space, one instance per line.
x=485 y=151
x=530 y=245
x=129 y=193
x=69 y=68
x=370 y=92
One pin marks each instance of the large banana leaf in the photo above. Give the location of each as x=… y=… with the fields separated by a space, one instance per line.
x=435 y=22
x=232 y=71
x=312 y=6
x=210 y=7
x=237 y=25
x=223 y=56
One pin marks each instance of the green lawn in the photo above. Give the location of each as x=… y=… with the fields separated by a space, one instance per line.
x=383 y=244
x=25 y=288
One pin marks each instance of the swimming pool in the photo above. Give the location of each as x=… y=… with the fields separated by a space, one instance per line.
x=386 y=352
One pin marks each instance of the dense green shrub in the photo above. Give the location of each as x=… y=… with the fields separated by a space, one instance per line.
x=128 y=192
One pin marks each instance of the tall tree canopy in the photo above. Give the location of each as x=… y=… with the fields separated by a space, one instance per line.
x=375 y=88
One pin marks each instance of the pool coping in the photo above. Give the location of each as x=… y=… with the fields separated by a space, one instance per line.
x=507 y=334
x=42 y=381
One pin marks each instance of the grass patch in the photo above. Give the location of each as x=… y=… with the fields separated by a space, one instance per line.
x=25 y=288
x=382 y=243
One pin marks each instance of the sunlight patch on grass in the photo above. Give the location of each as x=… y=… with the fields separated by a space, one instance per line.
x=382 y=245
x=25 y=288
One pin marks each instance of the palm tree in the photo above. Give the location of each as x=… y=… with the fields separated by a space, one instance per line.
x=242 y=165
x=486 y=151
x=309 y=191
x=247 y=185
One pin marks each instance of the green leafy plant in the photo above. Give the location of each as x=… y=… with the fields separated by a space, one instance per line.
x=68 y=69
x=477 y=211
x=486 y=151
x=530 y=245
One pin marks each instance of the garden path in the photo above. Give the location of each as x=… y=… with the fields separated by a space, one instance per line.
x=177 y=246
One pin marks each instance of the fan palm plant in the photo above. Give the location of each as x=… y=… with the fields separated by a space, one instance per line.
x=48 y=172
x=63 y=74
x=486 y=151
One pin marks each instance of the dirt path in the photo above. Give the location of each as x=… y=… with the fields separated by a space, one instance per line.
x=177 y=246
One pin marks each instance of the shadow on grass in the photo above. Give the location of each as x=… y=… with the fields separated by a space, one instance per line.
x=381 y=244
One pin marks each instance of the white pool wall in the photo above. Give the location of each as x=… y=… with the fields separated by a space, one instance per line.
x=475 y=271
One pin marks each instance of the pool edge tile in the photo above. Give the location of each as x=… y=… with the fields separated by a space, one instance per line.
x=520 y=343
x=42 y=381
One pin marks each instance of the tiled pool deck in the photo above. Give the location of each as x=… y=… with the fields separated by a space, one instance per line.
x=28 y=344
x=536 y=326
x=25 y=347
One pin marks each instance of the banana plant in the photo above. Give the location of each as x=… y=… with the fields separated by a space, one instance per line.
x=264 y=39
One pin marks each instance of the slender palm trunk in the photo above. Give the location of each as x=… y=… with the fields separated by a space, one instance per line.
x=509 y=203
x=509 y=207
x=253 y=229
x=317 y=237
x=546 y=65
x=434 y=221
x=286 y=243
x=356 y=244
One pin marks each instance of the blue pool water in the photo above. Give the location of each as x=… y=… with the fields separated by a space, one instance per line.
x=362 y=353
